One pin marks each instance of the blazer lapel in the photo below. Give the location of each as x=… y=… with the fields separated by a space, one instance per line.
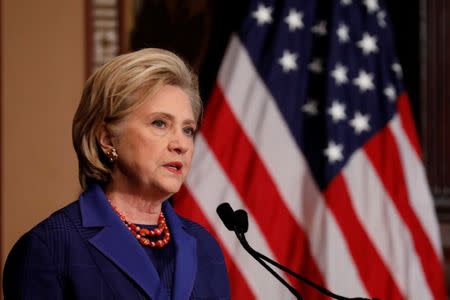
x=116 y=242
x=186 y=255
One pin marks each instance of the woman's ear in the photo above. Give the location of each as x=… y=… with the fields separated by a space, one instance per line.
x=105 y=139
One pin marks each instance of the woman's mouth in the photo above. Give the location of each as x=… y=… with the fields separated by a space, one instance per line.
x=174 y=167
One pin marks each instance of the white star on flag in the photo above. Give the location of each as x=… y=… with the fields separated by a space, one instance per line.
x=368 y=44
x=316 y=66
x=310 y=108
x=320 y=28
x=381 y=15
x=360 y=123
x=263 y=15
x=337 y=111
x=339 y=74
x=364 y=81
x=288 y=61
x=371 y=5
x=294 y=20
x=397 y=69
x=334 y=152
x=346 y=2
x=389 y=92
x=342 y=33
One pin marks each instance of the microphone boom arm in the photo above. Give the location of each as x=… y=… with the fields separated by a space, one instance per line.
x=292 y=273
x=257 y=256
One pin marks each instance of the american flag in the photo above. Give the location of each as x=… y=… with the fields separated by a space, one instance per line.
x=309 y=129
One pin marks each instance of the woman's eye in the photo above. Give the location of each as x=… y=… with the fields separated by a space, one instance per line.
x=159 y=123
x=189 y=131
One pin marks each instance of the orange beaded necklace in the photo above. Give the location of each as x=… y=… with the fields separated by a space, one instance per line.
x=158 y=240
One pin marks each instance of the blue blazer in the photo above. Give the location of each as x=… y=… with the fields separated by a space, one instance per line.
x=84 y=251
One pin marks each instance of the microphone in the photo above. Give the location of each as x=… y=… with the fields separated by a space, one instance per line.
x=226 y=214
x=241 y=220
x=237 y=221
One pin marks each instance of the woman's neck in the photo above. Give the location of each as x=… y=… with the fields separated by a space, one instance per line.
x=138 y=207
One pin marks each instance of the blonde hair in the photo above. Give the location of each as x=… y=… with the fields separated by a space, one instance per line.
x=113 y=92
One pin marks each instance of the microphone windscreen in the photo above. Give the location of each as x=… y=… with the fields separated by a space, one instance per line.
x=226 y=214
x=241 y=220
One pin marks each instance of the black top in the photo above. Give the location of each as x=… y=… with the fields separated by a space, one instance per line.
x=164 y=261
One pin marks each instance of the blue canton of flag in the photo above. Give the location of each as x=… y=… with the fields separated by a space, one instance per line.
x=332 y=70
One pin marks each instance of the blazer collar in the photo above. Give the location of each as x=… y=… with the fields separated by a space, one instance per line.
x=130 y=255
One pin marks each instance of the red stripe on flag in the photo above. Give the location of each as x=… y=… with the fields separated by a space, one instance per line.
x=383 y=152
x=407 y=121
x=186 y=205
x=372 y=270
x=254 y=184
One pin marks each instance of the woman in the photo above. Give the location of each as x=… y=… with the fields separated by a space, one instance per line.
x=133 y=134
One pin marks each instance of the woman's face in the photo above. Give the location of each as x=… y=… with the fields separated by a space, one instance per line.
x=155 y=143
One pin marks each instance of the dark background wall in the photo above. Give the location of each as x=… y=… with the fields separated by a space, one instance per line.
x=405 y=18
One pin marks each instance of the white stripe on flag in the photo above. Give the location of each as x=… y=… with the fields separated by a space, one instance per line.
x=416 y=183
x=388 y=233
x=256 y=110
x=261 y=282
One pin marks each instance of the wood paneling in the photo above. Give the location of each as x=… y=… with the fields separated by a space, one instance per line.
x=435 y=104
x=103 y=30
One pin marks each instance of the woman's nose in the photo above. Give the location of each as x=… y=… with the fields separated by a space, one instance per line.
x=178 y=144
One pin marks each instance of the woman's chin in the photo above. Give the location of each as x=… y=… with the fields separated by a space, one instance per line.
x=167 y=188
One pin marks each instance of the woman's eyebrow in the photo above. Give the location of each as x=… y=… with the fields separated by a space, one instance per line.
x=172 y=117
x=163 y=114
x=189 y=122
